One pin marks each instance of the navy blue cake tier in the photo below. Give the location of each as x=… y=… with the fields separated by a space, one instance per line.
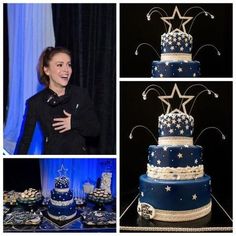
x=175 y=156
x=62 y=213
x=175 y=124
x=62 y=205
x=61 y=196
x=176 y=42
x=175 y=68
x=62 y=182
x=176 y=57
x=174 y=200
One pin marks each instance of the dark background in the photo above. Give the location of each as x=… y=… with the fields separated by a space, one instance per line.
x=21 y=173
x=135 y=29
x=89 y=32
x=208 y=111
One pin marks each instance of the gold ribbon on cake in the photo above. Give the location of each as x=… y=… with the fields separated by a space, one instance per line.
x=176 y=57
x=175 y=140
x=175 y=173
x=177 y=216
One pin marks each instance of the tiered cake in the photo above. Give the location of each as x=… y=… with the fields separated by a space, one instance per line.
x=62 y=205
x=175 y=187
x=176 y=56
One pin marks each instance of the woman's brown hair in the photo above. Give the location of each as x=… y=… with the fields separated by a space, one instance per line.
x=44 y=59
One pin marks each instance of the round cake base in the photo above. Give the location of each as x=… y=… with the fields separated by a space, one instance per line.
x=177 y=216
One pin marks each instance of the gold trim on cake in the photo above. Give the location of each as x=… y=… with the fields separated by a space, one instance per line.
x=175 y=140
x=175 y=173
x=176 y=57
x=179 y=216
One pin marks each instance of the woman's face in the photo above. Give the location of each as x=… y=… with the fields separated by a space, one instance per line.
x=59 y=70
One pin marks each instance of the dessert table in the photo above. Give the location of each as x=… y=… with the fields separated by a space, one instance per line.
x=88 y=219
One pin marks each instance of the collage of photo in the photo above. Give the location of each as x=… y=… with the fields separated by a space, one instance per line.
x=117 y=117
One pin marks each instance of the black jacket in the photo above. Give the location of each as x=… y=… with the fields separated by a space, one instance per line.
x=45 y=106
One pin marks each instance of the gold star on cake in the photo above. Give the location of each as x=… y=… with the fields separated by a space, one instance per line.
x=175 y=89
x=167 y=19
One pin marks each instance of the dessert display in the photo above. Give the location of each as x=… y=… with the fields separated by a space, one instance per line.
x=30 y=196
x=10 y=197
x=98 y=217
x=100 y=196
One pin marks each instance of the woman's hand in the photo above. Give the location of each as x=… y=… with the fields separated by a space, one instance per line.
x=62 y=124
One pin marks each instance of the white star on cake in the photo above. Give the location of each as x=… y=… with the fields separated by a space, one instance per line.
x=171 y=131
x=194 y=197
x=185 y=20
x=180 y=155
x=166 y=100
x=158 y=162
x=168 y=188
x=180 y=69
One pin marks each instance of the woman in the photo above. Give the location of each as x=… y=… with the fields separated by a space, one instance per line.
x=64 y=112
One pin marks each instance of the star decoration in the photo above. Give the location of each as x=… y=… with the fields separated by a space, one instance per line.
x=165 y=148
x=168 y=188
x=62 y=171
x=178 y=126
x=194 y=197
x=161 y=75
x=152 y=154
x=196 y=161
x=181 y=131
x=167 y=19
x=180 y=69
x=175 y=89
x=180 y=155
x=158 y=162
x=171 y=131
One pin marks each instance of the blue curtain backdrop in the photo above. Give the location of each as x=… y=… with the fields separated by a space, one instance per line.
x=30 y=30
x=79 y=172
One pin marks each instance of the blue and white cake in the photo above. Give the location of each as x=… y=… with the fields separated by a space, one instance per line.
x=176 y=57
x=62 y=205
x=174 y=187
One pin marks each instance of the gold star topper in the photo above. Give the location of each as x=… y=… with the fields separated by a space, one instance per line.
x=167 y=19
x=176 y=89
